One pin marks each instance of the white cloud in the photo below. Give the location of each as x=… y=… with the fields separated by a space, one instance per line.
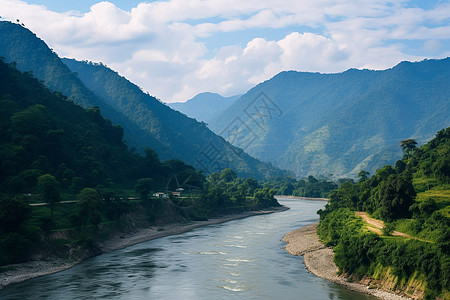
x=166 y=46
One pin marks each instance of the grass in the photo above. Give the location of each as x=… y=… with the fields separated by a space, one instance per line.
x=423 y=184
x=440 y=194
x=445 y=211
x=42 y=214
x=406 y=226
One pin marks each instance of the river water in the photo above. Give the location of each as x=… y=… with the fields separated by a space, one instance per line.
x=240 y=259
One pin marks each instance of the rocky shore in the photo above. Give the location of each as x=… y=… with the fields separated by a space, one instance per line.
x=20 y=272
x=319 y=261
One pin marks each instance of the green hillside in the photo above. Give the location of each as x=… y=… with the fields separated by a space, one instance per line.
x=66 y=169
x=339 y=124
x=31 y=54
x=146 y=121
x=411 y=251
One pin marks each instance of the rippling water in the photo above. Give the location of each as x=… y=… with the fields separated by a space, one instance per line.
x=241 y=259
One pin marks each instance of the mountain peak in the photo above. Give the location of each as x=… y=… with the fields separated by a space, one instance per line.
x=204 y=106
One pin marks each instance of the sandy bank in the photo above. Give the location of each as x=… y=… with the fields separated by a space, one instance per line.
x=319 y=260
x=20 y=272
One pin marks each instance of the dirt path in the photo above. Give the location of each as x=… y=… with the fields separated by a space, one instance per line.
x=377 y=226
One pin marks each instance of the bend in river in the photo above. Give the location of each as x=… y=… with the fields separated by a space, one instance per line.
x=240 y=259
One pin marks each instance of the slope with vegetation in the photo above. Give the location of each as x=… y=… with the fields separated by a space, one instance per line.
x=411 y=251
x=181 y=136
x=145 y=120
x=66 y=173
x=310 y=187
x=337 y=124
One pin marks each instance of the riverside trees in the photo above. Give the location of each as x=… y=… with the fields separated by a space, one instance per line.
x=413 y=198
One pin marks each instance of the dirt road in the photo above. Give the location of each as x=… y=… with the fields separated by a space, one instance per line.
x=377 y=226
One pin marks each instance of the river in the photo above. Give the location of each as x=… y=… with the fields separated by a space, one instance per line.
x=240 y=259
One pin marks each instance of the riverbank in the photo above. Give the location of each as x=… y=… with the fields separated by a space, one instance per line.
x=300 y=198
x=319 y=261
x=21 y=272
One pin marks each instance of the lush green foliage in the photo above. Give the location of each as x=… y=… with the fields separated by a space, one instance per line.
x=390 y=194
x=225 y=191
x=309 y=187
x=48 y=141
x=16 y=236
x=170 y=133
x=341 y=123
x=54 y=150
x=146 y=122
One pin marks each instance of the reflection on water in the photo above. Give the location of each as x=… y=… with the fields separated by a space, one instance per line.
x=241 y=259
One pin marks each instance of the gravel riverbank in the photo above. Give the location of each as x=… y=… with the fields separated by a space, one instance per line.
x=319 y=261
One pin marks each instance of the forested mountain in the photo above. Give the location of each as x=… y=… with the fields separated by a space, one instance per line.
x=45 y=133
x=73 y=166
x=322 y=124
x=146 y=121
x=31 y=54
x=204 y=107
x=185 y=137
x=411 y=252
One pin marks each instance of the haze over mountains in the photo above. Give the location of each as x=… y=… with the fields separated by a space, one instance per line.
x=339 y=124
x=146 y=121
x=204 y=107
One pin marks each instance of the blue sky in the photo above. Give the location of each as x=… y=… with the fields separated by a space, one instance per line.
x=175 y=49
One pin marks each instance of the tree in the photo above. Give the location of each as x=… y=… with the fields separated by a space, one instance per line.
x=144 y=186
x=408 y=147
x=89 y=206
x=363 y=176
x=442 y=165
x=228 y=175
x=48 y=189
x=396 y=196
x=14 y=211
x=312 y=180
x=400 y=166
x=388 y=229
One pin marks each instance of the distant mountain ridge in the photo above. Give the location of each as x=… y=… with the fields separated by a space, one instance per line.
x=204 y=107
x=339 y=124
x=146 y=121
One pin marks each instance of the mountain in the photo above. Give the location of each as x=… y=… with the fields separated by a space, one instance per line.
x=204 y=107
x=66 y=169
x=322 y=124
x=188 y=139
x=44 y=133
x=31 y=54
x=146 y=121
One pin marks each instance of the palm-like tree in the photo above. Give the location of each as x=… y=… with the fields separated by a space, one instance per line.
x=408 y=147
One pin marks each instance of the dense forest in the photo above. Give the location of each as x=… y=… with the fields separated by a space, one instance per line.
x=66 y=168
x=307 y=187
x=413 y=199
x=145 y=120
